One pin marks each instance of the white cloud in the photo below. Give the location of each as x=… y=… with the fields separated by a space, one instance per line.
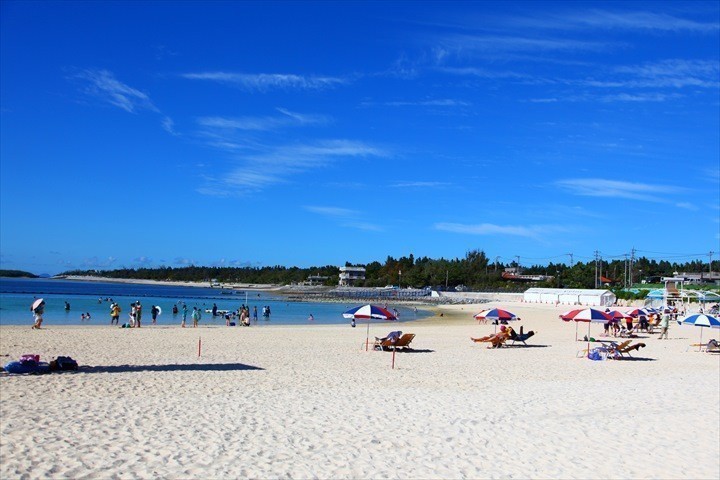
x=345 y=217
x=275 y=165
x=267 y=81
x=598 y=187
x=419 y=184
x=266 y=123
x=331 y=211
x=103 y=85
x=492 y=229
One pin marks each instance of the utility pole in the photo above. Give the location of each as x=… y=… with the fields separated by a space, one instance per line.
x=710 y=254
x=596 y=269
x=518 y=264
x=625 y=271
x=496 y=262
x=571 y=259
x=632 y=260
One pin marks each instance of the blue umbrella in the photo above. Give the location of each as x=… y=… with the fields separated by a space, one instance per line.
x=700 y=320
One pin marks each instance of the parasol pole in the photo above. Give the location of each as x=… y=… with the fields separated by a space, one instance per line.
x=588 y=341
x=393 y=358
x=700 y=348
x=367 y=336
x=576 y=330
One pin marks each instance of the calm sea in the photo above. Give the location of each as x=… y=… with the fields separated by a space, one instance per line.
x=16 y=296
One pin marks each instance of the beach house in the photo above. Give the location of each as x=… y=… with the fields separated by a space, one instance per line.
x=351 y=276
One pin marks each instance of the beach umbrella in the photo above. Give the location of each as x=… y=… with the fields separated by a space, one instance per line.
x=567 y=316
x=618 y=315
x=369 y=312
x=638 y=312
x=587 y=315
x=496 y=314
x=700 y=320
x=36 y=304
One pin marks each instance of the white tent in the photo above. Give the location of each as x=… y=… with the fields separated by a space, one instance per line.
x=570 y=296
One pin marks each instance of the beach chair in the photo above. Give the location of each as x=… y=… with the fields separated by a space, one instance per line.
x=608 y=349
x=712 y=346
x=520 y=337
x=388 y=344
x=495 y=340
x=629 y=348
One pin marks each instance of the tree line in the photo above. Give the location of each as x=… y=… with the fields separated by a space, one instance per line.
x=475 y=272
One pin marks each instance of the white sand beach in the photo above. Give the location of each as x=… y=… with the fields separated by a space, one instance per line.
x=309 y=402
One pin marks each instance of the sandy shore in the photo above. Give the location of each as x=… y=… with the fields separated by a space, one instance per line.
x=309 y=402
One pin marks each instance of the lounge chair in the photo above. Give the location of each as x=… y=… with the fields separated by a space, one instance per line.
x=608 y=349
x=629 y=348
x=712 y=346
x=496 y=340
x=520 y=337
x=392 y=343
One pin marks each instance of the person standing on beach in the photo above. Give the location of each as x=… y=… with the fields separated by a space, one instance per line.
x=115 y=313
x=255 y=314
x=132 y=314
x=194 y=317
x=38 y=314
x=184 y=315
x=154 y=312
x=664 y=324
x=214 y=310
x=138 y=314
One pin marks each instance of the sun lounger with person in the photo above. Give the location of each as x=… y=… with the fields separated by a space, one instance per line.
x=496 y=340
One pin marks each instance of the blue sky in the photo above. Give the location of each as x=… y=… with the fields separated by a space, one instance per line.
x=299 y=134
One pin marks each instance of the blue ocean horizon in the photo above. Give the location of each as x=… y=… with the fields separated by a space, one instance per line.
x=17 y=294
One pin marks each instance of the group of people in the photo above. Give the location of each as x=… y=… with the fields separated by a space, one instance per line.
x=195 y=315
x=645 y=323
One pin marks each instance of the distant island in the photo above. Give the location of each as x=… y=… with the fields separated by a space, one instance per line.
x=17 y=274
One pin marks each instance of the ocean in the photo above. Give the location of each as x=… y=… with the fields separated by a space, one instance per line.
x=16 y=296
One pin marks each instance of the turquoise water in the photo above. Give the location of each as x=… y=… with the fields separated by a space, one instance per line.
x=16 y=296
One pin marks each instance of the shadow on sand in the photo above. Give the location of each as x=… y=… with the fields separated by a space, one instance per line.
x=195 y=367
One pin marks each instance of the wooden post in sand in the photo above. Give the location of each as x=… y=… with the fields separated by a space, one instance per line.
x=199 y=346
x=393 y=358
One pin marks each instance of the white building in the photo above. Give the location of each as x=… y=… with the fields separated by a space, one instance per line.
x=350 y=275
x=570 y=296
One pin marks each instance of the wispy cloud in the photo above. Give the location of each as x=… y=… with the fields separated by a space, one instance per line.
x=639 y=20
x=669 y=73
x=442 y=102
x=598 y=187
x=266 y=123
x=169 y=126
x=96 y=262
x=456 y=46
x=276 y=165
x=332 y=211
x=102 y=85
x=419 y=184
x=345 y=217
x=531 y=231
x=267 y=81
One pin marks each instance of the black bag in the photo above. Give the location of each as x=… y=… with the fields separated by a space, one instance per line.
x=63 y=363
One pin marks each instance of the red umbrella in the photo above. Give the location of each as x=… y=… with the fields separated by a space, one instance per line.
x=618 y=315
x=587 y=315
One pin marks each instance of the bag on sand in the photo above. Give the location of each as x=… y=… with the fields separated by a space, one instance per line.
x=30 y=357
x=63 y=363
